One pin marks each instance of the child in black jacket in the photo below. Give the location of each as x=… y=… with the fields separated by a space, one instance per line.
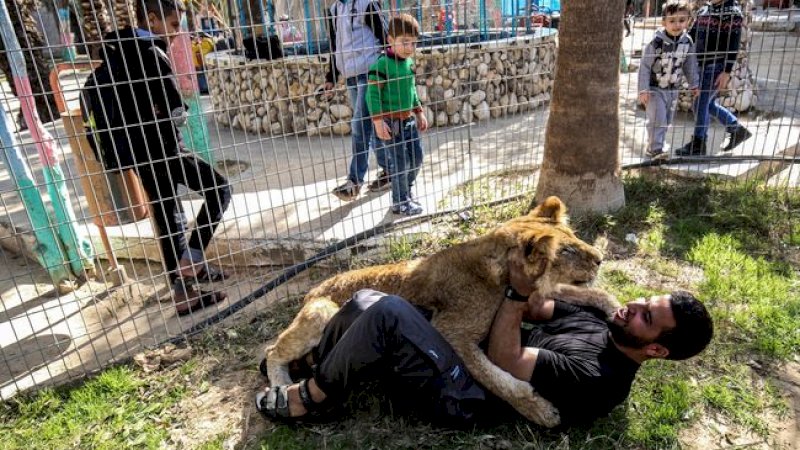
x=134 y=126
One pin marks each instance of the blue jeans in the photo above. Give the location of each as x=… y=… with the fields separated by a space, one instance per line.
x=705 y=106
x=404 y=151
x=361 y=135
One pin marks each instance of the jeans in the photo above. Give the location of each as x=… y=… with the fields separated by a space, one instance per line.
x=160 y=180
x=383 y=338
x=705 y=105
x=404 y=151
x=362 y=134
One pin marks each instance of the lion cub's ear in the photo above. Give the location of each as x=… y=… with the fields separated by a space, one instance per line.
x=542 y=247
x=540 y=252
x=553 y=209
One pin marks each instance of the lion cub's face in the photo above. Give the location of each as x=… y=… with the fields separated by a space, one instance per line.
x=553 y=253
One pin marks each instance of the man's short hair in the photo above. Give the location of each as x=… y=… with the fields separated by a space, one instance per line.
x=693 y=327
x=161 y=8
x=673 y=7
x=403 y=25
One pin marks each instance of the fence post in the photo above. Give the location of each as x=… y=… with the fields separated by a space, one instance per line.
x=48 y=250
x=77 y=247
x=195 y=131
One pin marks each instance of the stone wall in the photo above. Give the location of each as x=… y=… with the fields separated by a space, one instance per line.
x=457 y=83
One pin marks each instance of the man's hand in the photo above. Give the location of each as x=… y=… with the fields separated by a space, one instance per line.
x=538 y=306
x=382 y=129
x=644 y=97
x=722 y=81
x=695 y=91
x=517 y=277
x=422 y=122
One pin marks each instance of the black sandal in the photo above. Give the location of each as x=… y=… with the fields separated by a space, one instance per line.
x=204 y=299
x=211 y=274
x=274 y=404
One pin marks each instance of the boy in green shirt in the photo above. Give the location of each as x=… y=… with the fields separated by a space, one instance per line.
x=396 y=111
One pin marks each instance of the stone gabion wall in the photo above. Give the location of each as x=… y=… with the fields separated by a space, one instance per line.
x=457 y=84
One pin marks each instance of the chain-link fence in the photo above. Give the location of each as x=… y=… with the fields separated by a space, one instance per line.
x=241 y=124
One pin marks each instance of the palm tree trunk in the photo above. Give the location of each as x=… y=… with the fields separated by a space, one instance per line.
x=37 y=65
x=96 y=23
x=581 y=156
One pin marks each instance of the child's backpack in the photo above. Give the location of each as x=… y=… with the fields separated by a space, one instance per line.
x=101 y=113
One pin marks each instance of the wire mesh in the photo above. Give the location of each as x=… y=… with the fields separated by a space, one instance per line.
x=265 y=144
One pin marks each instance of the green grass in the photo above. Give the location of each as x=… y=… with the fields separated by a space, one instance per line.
x=729 y=243
x=117 y=409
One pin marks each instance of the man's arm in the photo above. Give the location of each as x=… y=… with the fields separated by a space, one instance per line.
x=374 y=20
x=330 y=76
x=505 y=342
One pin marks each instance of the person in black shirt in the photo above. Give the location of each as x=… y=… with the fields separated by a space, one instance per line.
x=574 y=357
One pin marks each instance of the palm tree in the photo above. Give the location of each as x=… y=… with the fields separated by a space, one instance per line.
x=581 y=157
x=36 y=63
x=96 y=23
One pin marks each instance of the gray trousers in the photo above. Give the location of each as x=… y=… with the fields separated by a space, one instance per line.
x=660 y=111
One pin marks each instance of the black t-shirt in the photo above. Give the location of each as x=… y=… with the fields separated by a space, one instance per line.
x=578 y=368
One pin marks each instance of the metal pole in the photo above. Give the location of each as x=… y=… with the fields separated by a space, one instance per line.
x=448 y=18
x=78 y=248
x=195 y=131
x=419 y=13
x=48 y=251
x=309 y=31
x=482 y=21
x=242 y=18
x=263 y=17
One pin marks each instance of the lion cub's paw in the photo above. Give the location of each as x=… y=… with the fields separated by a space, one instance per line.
x=549 y=416
x=585 y=296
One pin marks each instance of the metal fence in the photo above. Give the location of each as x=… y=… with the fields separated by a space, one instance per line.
x=85 y=279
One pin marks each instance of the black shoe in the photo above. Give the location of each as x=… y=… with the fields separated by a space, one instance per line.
x=347 y=192
x=383 y=182
x=695 y=147
x=735 y=137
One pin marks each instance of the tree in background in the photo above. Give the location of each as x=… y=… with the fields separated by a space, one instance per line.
x=37 y=64
x=581 y=151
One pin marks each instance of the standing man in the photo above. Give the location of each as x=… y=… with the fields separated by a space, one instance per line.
x=357 y=35
x=717 y=33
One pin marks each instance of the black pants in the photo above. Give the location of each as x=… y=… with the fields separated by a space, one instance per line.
x=160 y=180
x=380 y=337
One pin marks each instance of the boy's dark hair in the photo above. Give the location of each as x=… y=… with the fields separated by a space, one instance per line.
x=161 y=8
x=693 y=327
x=672 y=7
x=403 y=25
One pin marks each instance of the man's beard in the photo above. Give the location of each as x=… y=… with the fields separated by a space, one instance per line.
x=623 y=337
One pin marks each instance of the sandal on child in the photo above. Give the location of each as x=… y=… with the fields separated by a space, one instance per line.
x=199 y=300
x=211 y=274
x=274 y=404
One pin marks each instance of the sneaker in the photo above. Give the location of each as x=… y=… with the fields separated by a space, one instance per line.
x=347 y=192
x=407 y=209
x=656 y=155
x=735 y=137
x=695 y=147
x=383 y=182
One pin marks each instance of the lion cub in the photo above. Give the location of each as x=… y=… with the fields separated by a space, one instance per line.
x=464 y=286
